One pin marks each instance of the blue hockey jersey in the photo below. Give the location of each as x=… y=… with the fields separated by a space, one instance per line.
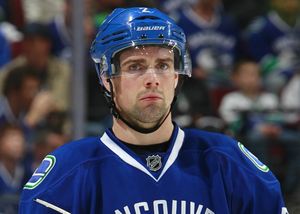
x=274 y=43
x=213 y=45
x=201 y=173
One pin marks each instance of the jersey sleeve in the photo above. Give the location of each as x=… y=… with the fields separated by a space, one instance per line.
x=68 y=194
x=62 y=183
x=255 y=195
x=256 y=38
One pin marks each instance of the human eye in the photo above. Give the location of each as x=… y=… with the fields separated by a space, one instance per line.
x=163 y=67
x=135 y=68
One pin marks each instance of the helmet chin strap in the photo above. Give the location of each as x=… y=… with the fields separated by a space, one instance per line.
x=109 y=96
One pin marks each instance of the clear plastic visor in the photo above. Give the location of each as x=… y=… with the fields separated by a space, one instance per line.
x=139 y=60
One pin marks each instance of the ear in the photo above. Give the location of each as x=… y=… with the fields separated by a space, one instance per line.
x=105 y=83
x=176 y=80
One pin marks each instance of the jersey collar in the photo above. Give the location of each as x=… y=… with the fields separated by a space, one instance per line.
x=124 y=153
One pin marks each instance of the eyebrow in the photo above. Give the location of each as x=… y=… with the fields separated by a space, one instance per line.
x=167 y=59
x=133 y=61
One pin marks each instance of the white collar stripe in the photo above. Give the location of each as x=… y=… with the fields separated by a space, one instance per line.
x=278 y=22
x=122 y=154
x=107 y=141
x=174 y=153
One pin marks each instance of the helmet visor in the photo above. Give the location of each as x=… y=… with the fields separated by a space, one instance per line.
x=137 y=60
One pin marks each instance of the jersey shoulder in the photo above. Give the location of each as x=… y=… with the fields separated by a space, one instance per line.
x=62 y=162
x=206 y=140
x=228 y=152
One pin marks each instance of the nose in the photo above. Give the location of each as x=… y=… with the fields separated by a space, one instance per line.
x=151 y=79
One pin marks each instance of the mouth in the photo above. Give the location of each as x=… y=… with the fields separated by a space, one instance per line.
x=151 y=97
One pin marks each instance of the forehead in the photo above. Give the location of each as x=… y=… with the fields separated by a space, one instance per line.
x=249 y=68
x=11 y=134
x=146 y=52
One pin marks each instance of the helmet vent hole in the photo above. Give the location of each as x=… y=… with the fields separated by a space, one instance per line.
x=116 y=36
x=179 y=36
x=147 y=17
x=143 y=36
x=160 y=36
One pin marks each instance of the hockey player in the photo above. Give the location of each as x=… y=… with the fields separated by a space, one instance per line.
x=145 y=163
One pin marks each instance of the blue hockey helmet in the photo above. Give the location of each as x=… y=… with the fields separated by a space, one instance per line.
x=134 y=27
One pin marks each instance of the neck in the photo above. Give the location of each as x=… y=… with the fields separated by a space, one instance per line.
x=126 y=134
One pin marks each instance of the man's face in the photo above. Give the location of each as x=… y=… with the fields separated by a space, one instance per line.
x=51 y=142
x=12 y=145
x=145 y=86
x=29 y=89
x=248 y=78
x=37 y=51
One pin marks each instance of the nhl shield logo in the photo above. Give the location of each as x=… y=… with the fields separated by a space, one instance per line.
x=154 y=162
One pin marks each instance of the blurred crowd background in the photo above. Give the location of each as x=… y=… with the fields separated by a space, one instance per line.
x=246 y=81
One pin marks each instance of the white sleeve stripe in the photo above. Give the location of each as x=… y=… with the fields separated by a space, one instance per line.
x=51 y=206
x=284 y=210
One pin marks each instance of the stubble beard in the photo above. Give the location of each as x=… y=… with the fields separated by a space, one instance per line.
x=146 y=117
